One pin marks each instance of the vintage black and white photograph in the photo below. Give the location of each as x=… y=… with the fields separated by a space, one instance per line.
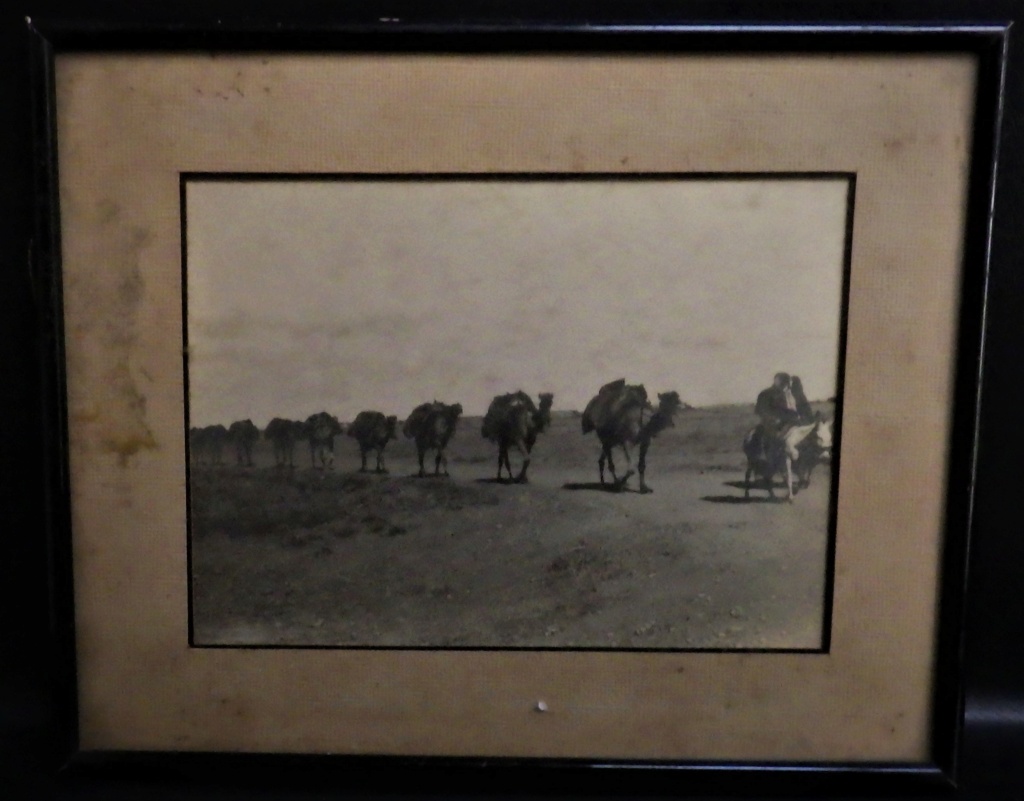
x=514 y=412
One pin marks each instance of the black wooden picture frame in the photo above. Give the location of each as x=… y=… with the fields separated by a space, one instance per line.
x=978 y=721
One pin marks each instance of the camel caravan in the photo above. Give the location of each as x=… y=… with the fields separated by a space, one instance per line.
x=789 y=441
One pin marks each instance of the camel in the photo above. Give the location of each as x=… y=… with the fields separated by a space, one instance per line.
x=616 y=413
x=373 y=431
x=208 y=442
x=512 y=420
x=243 y=433
x=793 y=452
x=283 y=434
x=321 y=429
x=432 y=425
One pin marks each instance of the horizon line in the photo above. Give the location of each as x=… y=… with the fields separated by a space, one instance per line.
x=687 y=407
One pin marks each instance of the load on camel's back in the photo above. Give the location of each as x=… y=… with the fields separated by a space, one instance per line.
x=514 y=421
x=617 y=413
x=432 y=425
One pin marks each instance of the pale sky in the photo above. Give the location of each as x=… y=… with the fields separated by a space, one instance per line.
x=349 y=295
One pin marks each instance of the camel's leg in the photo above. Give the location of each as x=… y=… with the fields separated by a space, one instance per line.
x=362 y=456
x=600 y=464
x=503 y=462
x=440 y=461
x=525 y=453
x=380 y=461
x=746 y=479
x=421 y=452
x=789 y=478
x=611 y=467
x=642 y=466
x=629 y=466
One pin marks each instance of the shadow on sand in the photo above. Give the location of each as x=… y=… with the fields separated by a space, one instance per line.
x=756 y=485
x=597 y=486
x=759 y=487
x=505 y=482
x=741 y=500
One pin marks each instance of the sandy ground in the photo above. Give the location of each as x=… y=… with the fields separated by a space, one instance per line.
x=308 y=557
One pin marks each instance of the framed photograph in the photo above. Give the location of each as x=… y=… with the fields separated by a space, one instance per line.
x=518 y=396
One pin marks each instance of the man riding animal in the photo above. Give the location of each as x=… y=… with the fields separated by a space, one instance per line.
x=777 y=409
x=790 y=438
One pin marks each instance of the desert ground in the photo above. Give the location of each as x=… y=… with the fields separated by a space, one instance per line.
x=310 y=557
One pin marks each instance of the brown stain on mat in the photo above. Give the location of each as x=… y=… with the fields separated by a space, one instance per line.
x=132 y=433
x=119 y=413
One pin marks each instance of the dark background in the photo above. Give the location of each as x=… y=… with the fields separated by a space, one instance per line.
x=36 y=733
